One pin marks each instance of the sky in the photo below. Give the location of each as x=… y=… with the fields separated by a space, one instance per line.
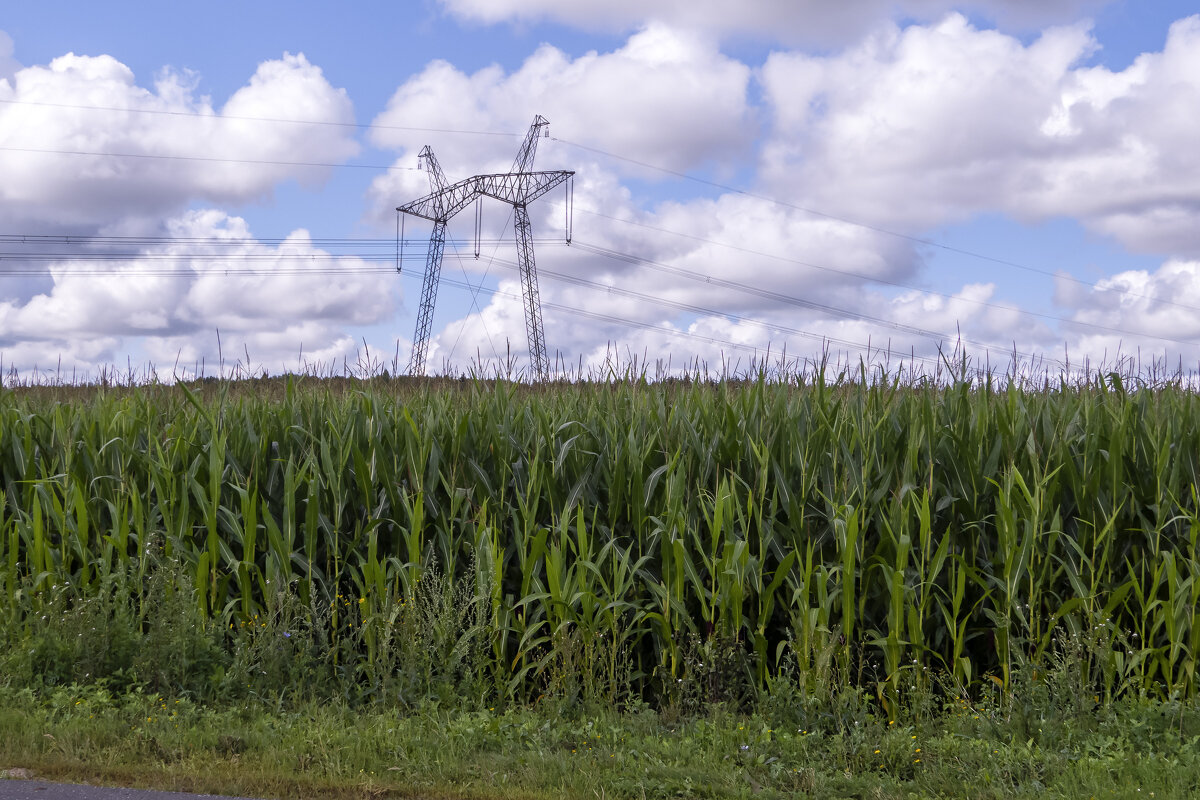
x=194 y=190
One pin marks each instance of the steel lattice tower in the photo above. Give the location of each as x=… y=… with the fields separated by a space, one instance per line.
x=517 y=188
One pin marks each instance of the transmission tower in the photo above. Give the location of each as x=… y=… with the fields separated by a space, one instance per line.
x=517 y=188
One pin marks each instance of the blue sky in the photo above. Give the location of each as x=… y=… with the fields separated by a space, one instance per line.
x=1018 y=174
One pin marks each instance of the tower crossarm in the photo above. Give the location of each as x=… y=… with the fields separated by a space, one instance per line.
x=520 y=187
x=444 y=204
x=508 y=187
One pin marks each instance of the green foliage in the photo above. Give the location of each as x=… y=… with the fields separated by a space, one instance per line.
x=680 y=544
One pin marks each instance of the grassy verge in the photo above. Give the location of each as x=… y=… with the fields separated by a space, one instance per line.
x=330 y=751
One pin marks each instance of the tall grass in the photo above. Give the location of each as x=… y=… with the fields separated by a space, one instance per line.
x=597 y=540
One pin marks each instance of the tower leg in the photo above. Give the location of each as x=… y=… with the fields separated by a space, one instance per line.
x=529 y=291
x=429 y=287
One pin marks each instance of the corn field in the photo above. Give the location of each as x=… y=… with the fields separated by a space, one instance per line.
x=610 y=535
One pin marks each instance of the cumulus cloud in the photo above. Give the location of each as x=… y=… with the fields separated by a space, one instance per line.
x=927 y=125
x=710 y=263
x=590 y=328
x=1157 y=307
x=165 y=144
x=86 y=149
x=284 y=301
x=735 y=272
x=667 y=97
x=811 y=22
x=910 y=129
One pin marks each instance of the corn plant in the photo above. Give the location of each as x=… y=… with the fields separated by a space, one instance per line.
x=858 y=526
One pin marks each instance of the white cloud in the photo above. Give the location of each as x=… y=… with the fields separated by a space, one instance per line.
x=278 y=301
x=666 y=97
x=1160 y=304
x=813 y=22
x=590 y=329
x=910 y=129
x=763 y=292
x=930 y=125
x=46 y=109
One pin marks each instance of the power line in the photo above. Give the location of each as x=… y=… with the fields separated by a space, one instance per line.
x=320 y=252
x=866 y=226
x=722 y=186
x=843 y=312
x=594 y=249
x=576 y=311
x=87 y=238
x=766 y=294
x=1079 y=281
x=872 y=278
x=474 y=300
x=202 y=158
x=774 y=296
x=607 y=252
x=933 y=336
x=615 y=319
x=385 y=268
x=608 y=154
x=291 y=121
x=194 y=274
x=474 y=296
x=389 y=244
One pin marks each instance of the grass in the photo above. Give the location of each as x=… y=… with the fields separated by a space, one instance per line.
x=323 y=750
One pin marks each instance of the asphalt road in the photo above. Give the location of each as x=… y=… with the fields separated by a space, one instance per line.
x=46 y=790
